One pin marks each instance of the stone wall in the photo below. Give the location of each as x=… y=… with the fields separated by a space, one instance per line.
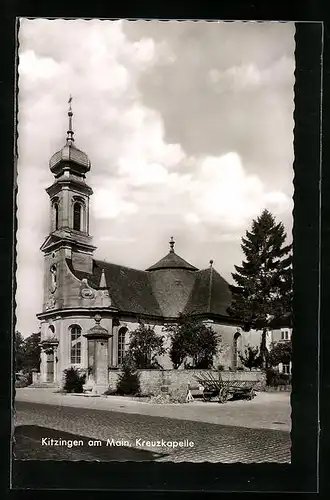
x=176 y=382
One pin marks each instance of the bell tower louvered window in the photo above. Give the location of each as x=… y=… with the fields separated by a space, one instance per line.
x=77 y=212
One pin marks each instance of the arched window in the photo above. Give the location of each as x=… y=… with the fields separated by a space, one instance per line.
x=121 y=344
x=75 y=334
x=237 y=350
x=56 y=215
x=51 y=330
x=77 y=209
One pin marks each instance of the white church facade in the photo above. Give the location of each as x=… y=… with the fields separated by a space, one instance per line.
x=91 y=306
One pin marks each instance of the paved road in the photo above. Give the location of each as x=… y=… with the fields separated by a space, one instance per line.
x=212 y=442
x=265 y=411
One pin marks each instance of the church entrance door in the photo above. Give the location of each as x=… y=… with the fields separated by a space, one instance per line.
x=50 y=368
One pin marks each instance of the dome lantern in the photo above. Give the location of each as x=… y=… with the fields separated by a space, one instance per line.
x=172 y=261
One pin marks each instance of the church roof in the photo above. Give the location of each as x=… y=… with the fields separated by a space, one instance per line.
x=172 y=261
x=166 y=295
x=210 y=294
x=129 y=289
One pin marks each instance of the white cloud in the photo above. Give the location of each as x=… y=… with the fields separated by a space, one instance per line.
x=222 y=191
x=144 y=139
x=244 y=76
x=139 y=173
x=144 y=50
x=38 y=68
x=278 y=200
x=108 y=204
x=192 y=218
x=250 y=76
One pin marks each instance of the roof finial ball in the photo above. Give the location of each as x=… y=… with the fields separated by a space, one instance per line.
x=211 y=263
x=172 y=243
x=69 y=138
x=97 y=318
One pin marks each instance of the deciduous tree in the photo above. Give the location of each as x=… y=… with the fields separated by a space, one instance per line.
x=27 y=352
x=32 y=352
x=191 y=338
x=251 y=357
x=18 y=351
x=280 y=352
x=145 y=346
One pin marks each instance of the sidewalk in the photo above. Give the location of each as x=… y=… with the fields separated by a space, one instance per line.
x=265 y=411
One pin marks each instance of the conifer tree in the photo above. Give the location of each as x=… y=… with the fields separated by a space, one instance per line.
x=262 y=293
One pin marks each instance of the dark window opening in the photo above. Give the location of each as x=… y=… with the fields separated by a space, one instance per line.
x=51 y=330
x=236 y=350
x=56 y=215
x=77 y=216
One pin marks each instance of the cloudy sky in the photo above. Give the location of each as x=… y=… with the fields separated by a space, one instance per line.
x=188 y=125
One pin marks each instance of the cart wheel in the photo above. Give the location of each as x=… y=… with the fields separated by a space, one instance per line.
x=223 y=396
x=207 y=398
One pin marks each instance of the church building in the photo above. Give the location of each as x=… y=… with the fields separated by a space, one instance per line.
x=91 y=306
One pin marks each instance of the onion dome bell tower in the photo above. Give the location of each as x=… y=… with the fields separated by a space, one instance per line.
x=69 y=195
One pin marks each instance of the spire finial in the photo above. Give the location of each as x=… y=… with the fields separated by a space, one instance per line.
x=69 y=138
x=172 y=243
x=211 y=263
x=103 y=281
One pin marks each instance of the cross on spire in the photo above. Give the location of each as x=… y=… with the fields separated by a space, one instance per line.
x=69 y=138
x=172 y=243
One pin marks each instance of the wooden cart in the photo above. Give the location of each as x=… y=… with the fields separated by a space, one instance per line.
x=223 y=390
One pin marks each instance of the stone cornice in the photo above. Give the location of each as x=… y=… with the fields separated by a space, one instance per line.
x=128 y=316
x=89 y=311
x=68 y=238
x=73 y=184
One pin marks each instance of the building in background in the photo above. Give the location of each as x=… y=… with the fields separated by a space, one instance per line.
x=282 y=335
